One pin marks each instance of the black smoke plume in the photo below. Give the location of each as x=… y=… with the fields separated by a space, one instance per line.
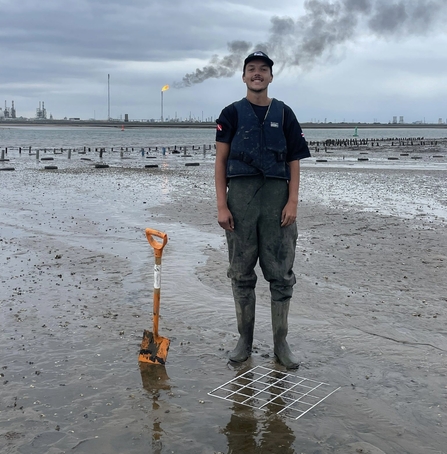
x=324 y=26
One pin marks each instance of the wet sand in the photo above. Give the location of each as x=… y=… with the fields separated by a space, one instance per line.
x=368 y=313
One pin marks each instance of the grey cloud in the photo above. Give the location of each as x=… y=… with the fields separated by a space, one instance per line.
x=137 y=30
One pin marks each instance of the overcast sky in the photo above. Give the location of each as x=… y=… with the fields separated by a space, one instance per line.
x=344 y=60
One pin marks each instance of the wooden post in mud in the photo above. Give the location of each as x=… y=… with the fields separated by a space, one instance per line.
x=29 y=150
x=69 y=153
x=37 y=155
x=204 y=150
x=3 y=155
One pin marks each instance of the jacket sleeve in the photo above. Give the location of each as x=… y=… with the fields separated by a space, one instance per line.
x=297 y=148
x=226 y=124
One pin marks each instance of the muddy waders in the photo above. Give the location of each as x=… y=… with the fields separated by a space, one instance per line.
x=245 y=302
x=256 y=204
x=280 y=312
x=245 y=315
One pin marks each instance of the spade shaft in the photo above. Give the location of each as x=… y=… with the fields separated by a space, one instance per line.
x=154 y=348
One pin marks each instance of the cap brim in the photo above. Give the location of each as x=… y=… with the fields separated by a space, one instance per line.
x=267 y=60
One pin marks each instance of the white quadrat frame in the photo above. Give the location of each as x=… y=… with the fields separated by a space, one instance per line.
x=272 y=390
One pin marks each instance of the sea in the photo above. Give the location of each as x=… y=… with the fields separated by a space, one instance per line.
x=74 y=137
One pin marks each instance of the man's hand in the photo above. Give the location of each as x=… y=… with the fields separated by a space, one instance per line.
x=225 y=219
x=288 y=215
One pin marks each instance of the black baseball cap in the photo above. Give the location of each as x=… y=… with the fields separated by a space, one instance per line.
x=258 y=55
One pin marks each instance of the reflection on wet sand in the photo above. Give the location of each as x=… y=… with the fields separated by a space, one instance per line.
x=250 y=431
x=155 y=379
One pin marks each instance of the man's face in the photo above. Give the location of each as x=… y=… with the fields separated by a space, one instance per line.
x=257 y=75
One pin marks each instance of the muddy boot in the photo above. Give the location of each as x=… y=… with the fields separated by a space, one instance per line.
x=245 y=314
x=280 y=312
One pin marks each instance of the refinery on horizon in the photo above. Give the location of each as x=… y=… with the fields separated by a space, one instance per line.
x=9 y=114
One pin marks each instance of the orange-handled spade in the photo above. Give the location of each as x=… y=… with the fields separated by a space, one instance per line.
x=154 y=348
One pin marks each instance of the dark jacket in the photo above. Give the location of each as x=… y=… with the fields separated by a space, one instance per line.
x=259 y=148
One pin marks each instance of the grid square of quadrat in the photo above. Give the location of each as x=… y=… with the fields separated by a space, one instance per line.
x=274 y=391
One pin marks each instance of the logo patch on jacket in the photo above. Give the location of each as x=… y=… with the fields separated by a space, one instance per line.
x=219 y=127
x=273 y=124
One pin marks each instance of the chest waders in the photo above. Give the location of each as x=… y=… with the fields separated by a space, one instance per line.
x=256 y=204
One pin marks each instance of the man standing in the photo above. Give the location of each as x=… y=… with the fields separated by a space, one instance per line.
x=259 y=144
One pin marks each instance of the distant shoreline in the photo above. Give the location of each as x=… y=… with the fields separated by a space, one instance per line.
x=207 y=125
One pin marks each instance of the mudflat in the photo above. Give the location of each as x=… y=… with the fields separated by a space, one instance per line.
x=76 y=274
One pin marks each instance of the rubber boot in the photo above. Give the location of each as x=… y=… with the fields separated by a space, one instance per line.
x=280 y=312
x=245 y=315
